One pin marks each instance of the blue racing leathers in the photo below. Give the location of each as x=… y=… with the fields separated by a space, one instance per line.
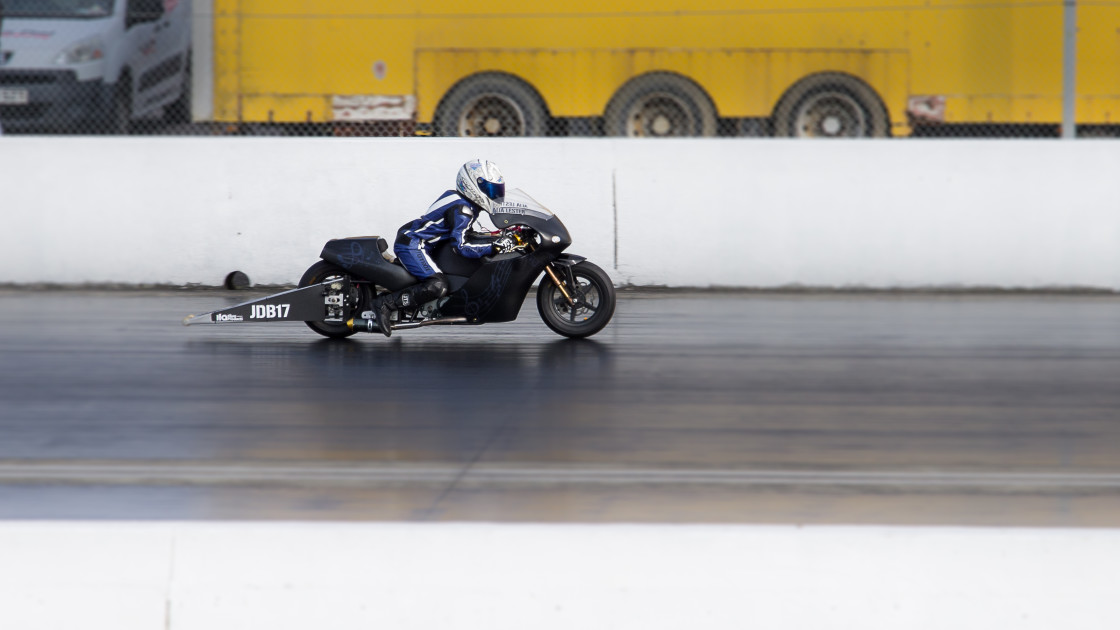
x=449 y=218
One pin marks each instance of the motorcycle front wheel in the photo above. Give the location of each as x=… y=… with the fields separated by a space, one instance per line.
x=321 y=272
x=591 y=306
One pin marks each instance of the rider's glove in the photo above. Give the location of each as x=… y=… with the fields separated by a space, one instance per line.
x=504 y=245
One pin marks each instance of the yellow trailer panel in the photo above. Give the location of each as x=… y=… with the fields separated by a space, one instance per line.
x=811 y=67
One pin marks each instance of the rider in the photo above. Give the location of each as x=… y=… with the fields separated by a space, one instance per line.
x=479 y=187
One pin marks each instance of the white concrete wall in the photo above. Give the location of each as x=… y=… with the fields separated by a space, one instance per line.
x=748 y=213
x=219 y=576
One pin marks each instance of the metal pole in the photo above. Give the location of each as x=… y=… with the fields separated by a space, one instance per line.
x=1069 y=71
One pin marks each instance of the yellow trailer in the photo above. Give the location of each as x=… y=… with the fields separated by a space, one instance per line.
x=818 y=68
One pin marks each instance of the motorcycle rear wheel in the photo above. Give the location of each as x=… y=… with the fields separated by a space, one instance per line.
x=321 y=272
x=593 y=295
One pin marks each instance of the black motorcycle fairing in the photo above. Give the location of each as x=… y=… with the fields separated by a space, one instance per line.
x=568 y=260
x=443 y=254
x=456 y=283
x=497 y=290
x=361 y=256
x=553 y=234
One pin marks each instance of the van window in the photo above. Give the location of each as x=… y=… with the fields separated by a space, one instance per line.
x=65 y=9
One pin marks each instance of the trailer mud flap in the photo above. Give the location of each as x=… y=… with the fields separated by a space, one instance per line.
x=323 y=302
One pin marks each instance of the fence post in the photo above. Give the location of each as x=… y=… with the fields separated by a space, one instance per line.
x=1069 y=71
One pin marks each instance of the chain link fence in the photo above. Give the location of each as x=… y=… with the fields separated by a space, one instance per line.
x=835 y=69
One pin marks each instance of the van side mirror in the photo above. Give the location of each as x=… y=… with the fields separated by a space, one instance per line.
x=142 y=11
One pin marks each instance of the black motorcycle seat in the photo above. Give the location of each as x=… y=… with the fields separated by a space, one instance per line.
x=361 y=256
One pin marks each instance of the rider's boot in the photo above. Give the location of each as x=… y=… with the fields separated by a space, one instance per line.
x=383 y=312
x=383 y=306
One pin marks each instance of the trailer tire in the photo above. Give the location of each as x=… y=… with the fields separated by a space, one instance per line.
x=120 y=110
x=491 y=105
x=831 y=105
x=660 y=105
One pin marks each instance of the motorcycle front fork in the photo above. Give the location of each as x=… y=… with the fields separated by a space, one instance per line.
x=556 y=280
x=559 y=285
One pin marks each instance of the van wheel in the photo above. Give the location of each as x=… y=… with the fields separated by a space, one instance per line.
x=179 y=112
x=120 y=121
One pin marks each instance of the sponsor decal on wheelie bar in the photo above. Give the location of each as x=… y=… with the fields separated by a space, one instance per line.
x=269 y=311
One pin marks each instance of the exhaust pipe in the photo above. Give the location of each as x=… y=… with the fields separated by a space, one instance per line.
x=370 y=325
x=363 y=325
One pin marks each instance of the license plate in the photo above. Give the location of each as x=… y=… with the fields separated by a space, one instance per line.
x=13 y=97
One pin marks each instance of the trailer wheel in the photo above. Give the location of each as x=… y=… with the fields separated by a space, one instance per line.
x=660 y=105
x=491 y=105
x=831 y=105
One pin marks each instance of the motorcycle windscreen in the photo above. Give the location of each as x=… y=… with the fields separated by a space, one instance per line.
x=517 y=201
x=521 y=209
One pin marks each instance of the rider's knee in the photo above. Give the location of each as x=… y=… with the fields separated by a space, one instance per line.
x=438 y=285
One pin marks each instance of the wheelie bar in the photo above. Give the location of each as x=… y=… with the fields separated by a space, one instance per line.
x=318 y=302
x=370 y=325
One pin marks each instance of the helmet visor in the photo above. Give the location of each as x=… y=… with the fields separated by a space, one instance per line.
x=496 y=191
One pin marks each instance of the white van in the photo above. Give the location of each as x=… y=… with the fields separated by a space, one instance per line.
x=93 y=66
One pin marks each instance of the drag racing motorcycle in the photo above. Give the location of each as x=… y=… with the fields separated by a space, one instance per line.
x=575 y=298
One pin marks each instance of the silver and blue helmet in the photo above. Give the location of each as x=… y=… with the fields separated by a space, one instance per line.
x=482 y=183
